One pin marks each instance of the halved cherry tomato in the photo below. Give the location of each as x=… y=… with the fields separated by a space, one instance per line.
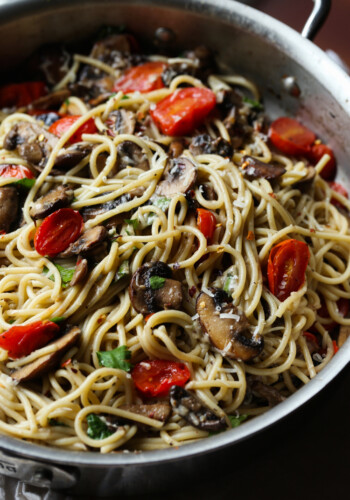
x=155 y=377
x=315 y=154
x=338 y=188
x=16 y=172
x=183 y=111
x=343 y=306
x=21 y=340
x=291 y=137
x=286 y=267
x=335 y=346
x=58 y=231
x=21 y=94
x=61 y=126
x=206 y=222
x=143 y=78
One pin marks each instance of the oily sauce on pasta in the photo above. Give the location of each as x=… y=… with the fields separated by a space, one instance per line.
x=173 y=261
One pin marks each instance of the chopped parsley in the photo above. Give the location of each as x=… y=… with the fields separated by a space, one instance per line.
x=123 y=270
x=236 y=421
x=56 y=423
x=229 y=284
x=58 y=319
x=25 y=182
x=132 y=222
x=254 y=104
x=156 y=282
x=97 y=428
x=65 y=273
x=117 y=358
x=161 y=202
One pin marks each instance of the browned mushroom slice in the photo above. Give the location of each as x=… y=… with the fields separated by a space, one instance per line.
x=50 y=101
x=59 y=197
x=179 y=176
x=344 y=334
x=306 y=182
x=121 y=121
x=204 y=144
x=227 y=327
x=33 y=143
x=89 y=240
x=8 y=207
x=194 y=411
x=176 y=148
x=159 y=411
x=255 y=169
x=45 y=363
x=148 y=295
x=90 y=212
x=261 y=390
x=129 y=154
x=70 y=157
x=80 y=272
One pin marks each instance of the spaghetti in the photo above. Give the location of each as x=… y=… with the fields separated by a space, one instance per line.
x=124 y=181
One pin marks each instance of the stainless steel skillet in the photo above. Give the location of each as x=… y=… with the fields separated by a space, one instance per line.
x=277 y=59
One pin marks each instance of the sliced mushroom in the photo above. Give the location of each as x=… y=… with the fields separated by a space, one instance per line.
x=32 y=142
x=35 y=144
x=261 y=390
x=179 y=176
x=129 y=154
x=194 y=411
x=43 y=364
x=51 y=62
x=147 y=300
x=59 y=197
x=253 y=168
x=71 y=156
x=89 y=240
x=90 y=212
x=80 y=272
x=204 y=144
x=344 y=334
x=176 y=148
x=53 y=100
x=227 y=326
x=121 y=121
x=306 y=182
x=8 y=207
x=159 y=411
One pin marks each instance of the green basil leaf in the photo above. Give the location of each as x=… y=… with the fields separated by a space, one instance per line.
x=125 y=97
x=65 y=273
x=58 y=319
x=26 y=183
x=161 y=202
x=132 y=222
x=254 y=104
x=156 y=282
x=116 y=358
x=123 y=270
x=236 y=421
x=56 y=423
x=97 y=429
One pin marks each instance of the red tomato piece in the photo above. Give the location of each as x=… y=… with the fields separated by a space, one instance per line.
x=286 y=267
x=21 y=94
x=338 y=188
x=311 y=337
x=291 y=137
x=21 y=340
x=58 y=231
x=206 y=222
x=183 y=111
x=155 y=377
x=343 y=306
x=61 y=126
x=143 y=78
x=335 y=346
x=16 y=172
x=315 y=154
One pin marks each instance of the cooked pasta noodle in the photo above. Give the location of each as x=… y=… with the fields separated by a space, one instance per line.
x=252 y=216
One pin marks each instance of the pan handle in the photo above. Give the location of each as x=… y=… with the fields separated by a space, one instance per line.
x=317 y=18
